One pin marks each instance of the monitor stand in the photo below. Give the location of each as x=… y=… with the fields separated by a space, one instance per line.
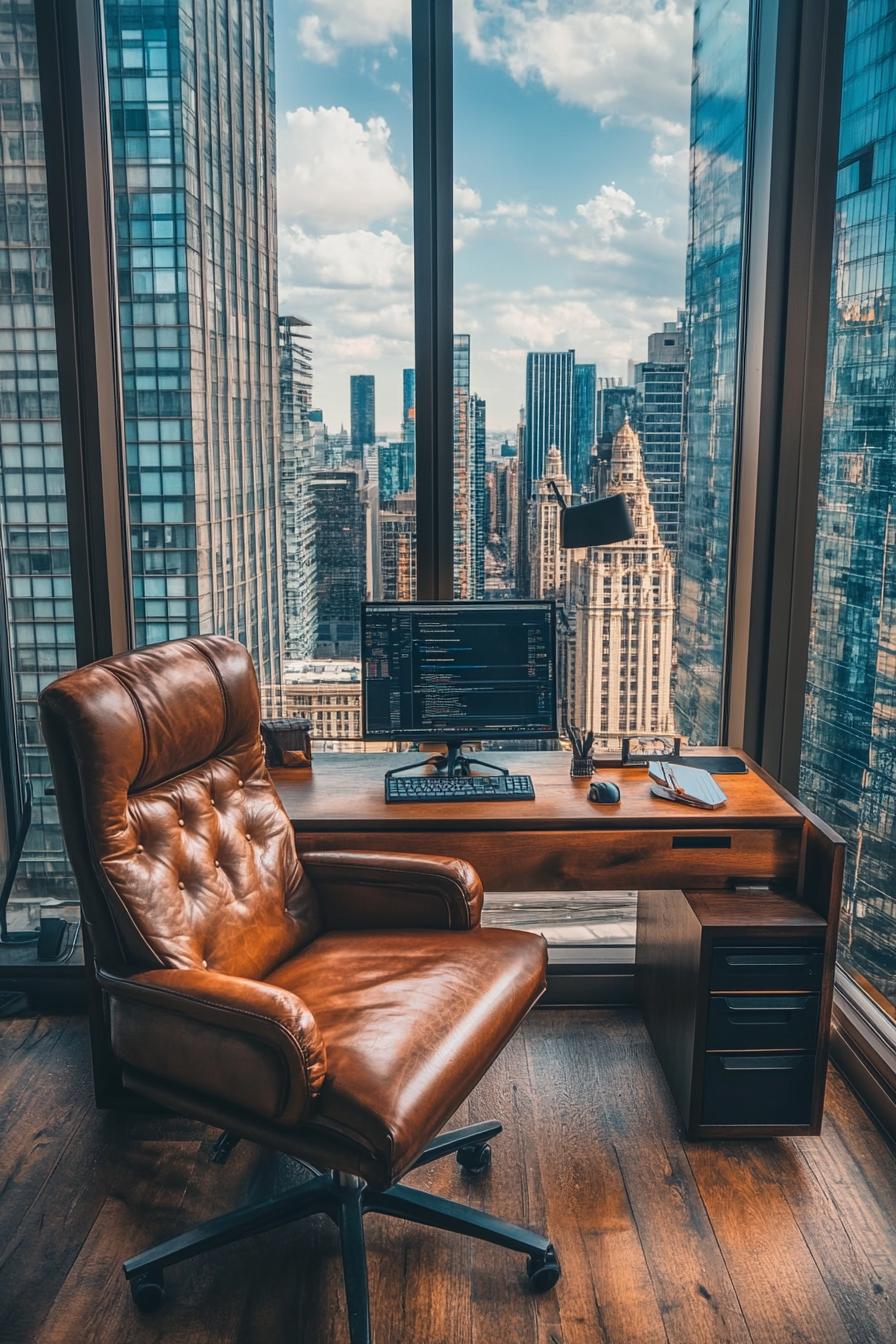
x=451 y=762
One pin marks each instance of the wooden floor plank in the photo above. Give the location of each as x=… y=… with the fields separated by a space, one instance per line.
x=696 y=1297
x=606 y=1293
x=863 y=1293
x=662 y=1241
x=779 y=1286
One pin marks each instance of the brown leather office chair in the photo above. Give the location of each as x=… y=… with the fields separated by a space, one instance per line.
x=339 y=1009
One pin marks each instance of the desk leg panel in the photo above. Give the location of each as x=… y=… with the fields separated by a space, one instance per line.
x=668 y=985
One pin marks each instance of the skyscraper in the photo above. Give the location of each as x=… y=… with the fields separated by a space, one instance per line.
x=296 y=502
x=615 y=401
x=549 y=419
x=398 y=549
x=548 y=561
x=623 y=601
x=341 y=530
x=849 y=746
x=462 y=500
x=363 y=412
x=479 y=529
x=550 y=411
x=195 y=208
x=34 y=547
x=659 y=406
x=395 y=468
x=718 y=127
x=584 y=426
x=408 y=405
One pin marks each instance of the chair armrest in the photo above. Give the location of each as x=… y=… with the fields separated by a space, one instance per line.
x=241 y=1041
x=394 y=891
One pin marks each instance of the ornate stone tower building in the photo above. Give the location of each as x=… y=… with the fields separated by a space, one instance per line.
x=623 y=601
x=548 y=563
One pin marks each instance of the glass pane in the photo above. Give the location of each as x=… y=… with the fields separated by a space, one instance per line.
x=271 y=488
x=590 y=292
x=718 y=124
x=848 y=744
x=36 y=628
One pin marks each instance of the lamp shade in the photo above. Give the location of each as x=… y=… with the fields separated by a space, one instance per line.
x=600 y=523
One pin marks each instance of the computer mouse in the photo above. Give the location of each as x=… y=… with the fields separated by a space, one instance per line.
x=602 y=791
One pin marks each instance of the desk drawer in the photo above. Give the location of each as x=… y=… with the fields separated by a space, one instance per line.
x=758 y=1089
x=589 y=860
x=766 y=966
x=762 y=1022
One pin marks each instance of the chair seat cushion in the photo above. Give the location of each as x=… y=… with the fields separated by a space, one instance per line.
x=411 y=1020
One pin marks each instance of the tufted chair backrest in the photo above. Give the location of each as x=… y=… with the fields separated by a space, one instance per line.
x=184 y=855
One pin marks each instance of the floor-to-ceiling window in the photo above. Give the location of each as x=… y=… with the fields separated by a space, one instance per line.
x=34 y=553
x=849 y=750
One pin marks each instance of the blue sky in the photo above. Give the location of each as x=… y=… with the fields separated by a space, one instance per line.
x=570 y=185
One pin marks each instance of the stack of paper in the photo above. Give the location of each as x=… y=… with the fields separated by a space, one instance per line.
x=684 y=784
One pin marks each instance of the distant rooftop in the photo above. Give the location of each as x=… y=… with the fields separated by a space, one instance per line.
x=313 y=671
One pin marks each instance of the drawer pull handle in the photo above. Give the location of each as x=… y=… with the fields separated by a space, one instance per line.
x=774 y=959
x=701 y=842
x=758 y=1017
x=743 y=1063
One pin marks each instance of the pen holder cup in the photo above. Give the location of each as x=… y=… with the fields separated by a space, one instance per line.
x=580 y=767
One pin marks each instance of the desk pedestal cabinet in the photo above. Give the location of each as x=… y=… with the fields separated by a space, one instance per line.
x=731 y=990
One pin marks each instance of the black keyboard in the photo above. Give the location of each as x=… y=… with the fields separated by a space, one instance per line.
x=459 y=789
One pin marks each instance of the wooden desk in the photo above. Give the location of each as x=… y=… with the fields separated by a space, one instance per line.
x=716 y=1045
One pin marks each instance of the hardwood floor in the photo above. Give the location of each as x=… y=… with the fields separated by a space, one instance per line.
x=781 y=1241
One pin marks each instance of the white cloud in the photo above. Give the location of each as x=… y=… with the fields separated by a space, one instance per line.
x=327 y=25
x=335 y=172
x=609 y=212
x=351 y=260
x=511 y=209
x=626 y=59
x=466 y=198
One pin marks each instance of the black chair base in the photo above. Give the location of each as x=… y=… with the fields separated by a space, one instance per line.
x=346 y=1199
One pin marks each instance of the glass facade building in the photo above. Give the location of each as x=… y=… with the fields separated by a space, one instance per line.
x=718 y=128
x=191 y=93
x=848 y=769
x=462 y=580
x=585 y=428
x=658 y=419
x=296 y=502
x=34 y=551
x=363 y=412
x=479 y=502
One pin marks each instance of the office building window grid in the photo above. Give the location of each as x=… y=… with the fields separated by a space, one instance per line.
x=718 y=128
x=191 y=107
x=34 y=544
x=848 y=769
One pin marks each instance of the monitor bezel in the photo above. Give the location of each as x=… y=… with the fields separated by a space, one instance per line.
x=473 y=736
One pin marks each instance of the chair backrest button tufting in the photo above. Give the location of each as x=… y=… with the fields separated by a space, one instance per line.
x=205 y=965
x=180 y=821
x=240 y=783
x=217 y=864
x=248 y=836
x=181 y=885
x=139 y=849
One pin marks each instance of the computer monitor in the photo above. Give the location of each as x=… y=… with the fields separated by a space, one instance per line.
x=454 y=671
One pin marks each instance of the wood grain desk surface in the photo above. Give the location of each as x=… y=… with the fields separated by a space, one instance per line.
x=345 y=792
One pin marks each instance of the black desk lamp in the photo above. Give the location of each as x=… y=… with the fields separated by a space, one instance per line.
x=600 y=523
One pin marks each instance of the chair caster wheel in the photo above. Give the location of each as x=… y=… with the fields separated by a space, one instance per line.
x=475 y=1158
x=543 y=1271
x=148 y=1289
